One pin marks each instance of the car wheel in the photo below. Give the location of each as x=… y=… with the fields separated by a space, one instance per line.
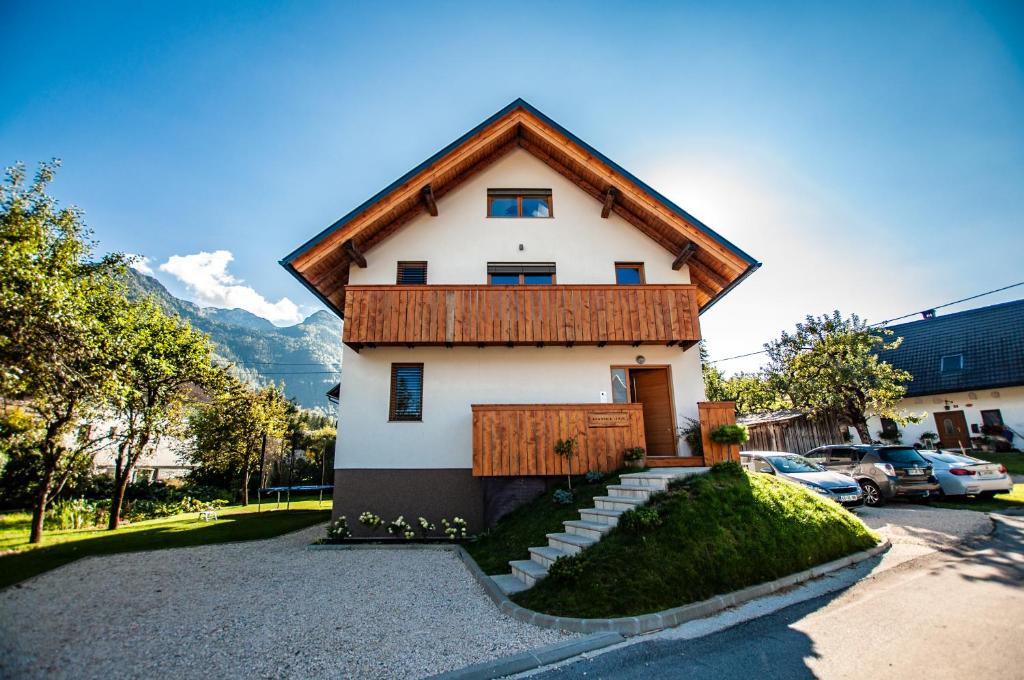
x=872 y=494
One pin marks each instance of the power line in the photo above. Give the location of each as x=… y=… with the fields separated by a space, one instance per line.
x=897 y=318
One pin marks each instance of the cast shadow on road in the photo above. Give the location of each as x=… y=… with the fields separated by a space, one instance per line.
x=1000 y=553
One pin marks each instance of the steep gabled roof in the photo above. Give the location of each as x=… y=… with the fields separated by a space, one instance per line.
x=322 y=263
x=991 y=340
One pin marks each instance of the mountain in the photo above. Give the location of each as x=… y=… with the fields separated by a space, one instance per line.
x=305 y=357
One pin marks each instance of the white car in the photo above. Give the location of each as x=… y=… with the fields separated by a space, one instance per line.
x=961 y=475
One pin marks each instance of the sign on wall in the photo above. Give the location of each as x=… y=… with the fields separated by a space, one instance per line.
x=608 y=419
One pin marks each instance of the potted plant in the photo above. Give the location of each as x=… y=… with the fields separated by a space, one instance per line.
x=635 y=457
x=928 y=439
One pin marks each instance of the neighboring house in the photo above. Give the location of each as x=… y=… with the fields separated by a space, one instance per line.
x=161 y=461
x=968 y=370
x=514 y=289
x=790 y=430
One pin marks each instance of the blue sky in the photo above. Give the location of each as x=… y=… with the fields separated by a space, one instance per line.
x=871 y=155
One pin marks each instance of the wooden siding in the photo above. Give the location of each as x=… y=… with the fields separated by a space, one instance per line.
x=519 y=439
x=797 y=434
x=521 y=315
x=714 y=414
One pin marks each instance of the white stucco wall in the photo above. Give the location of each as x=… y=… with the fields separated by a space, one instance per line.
x=461 y=240
x=457 y=245
x=1009 y=400
x=456 y=378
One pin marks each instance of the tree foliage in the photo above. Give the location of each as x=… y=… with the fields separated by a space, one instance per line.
x=752 y=392
x=830 y=364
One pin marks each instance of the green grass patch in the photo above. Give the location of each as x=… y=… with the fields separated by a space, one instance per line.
x=712 y=534
x=1007 y=501
x=529 y=525
x=19 y=560
x=1014 y=462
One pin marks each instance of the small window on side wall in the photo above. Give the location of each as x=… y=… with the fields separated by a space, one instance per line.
x=406 y=393
x=412 y=273
x=629 y=273
x=519 y=203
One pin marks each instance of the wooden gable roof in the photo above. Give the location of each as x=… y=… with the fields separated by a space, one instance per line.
x=322 y=264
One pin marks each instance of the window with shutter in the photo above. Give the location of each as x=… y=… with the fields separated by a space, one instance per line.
x=406 y=392
x=412 y=273
x=517 y=273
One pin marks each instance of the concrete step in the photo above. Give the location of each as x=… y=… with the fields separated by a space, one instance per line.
x=545 y=555
x=569 y=543
x=632 y=491
x=581 y=527
x=601 y=516
x=528 y=571
x=658 y=478
x=617 y=502
x=509 y=584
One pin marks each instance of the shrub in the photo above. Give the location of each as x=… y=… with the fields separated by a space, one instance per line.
x=454 y=529
x=635 y=453
x=691 y=434
x=730 y=434
x=76 y=513
x=729 y=468
x=562 y=497
x=425 y=526
x=398 y=527
x=640 y=520
x=593 y=477
x=567 y=569
x=370 y=520
x=338 y=529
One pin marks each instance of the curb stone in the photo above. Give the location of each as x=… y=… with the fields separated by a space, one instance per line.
x=647 y=623
x=527 y=661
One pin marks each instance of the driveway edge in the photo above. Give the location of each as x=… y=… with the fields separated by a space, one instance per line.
x=647 y=623
x=535 y=658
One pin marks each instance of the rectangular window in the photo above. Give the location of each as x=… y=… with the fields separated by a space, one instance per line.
x=521 y=273
x=992 y=417
x=951 y=363
x=406 y=392
x=620 y=389
x=889 y=427
x=412 y=273
x=629 y=273
x=519 y=203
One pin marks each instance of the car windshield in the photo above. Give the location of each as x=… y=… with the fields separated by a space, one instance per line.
x=793 y=464
x=902 y=456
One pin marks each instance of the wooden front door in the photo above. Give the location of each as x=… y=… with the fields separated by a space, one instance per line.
x=952 y=428
x=650 y=387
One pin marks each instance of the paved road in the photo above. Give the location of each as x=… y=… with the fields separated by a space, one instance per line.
x=956 y=614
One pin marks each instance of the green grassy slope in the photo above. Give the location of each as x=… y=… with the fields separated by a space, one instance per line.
x=718 y=533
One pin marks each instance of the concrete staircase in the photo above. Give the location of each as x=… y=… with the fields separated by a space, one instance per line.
x=593 y=523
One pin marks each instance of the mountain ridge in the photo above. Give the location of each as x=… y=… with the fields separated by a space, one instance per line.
x=305 y=357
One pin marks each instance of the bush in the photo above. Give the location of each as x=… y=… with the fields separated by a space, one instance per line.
x=562 y=497
x=691 y=434
x=338 y=529
x=635 y=453
x=567 y=569
x=68 y=514
x=593 y=477
x=730 y=434
x=640 y=520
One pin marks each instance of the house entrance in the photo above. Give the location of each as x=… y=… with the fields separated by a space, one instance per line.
x=952 y=427
x=650 y=386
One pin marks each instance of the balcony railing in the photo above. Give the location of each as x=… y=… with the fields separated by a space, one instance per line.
x=519 y=439
x=521 y=315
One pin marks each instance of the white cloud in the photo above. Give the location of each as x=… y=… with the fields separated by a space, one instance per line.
x=207 y=278
x=141 y=265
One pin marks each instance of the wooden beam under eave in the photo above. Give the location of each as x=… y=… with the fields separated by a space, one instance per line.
x=353 y=253
x=688 y=251
x=428 y=200
x=609 y=199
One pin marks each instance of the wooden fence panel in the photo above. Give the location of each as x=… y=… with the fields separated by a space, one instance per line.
x=714 y=414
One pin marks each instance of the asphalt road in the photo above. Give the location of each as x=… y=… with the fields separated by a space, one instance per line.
x=955 y=614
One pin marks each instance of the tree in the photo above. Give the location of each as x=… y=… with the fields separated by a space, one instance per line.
x=227 y=434
x=752 y=392
x=58 y=306
x=167 y=363
x=830 y=364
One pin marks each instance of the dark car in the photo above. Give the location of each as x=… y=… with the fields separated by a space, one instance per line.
x=883 y=472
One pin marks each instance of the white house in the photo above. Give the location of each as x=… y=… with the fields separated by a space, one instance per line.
x=514 y=289
x=968 y=371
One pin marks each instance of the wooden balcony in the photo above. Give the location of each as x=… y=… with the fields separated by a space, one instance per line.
x=481 y=315
x=519 y=439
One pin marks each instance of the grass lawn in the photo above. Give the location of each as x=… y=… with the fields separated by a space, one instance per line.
x=19 y=560
x=713 y=534
x=1008 y=501
x=1014 y=462
x=527 y=526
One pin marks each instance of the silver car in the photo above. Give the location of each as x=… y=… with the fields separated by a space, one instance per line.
x=840 y=488
x=961 y=475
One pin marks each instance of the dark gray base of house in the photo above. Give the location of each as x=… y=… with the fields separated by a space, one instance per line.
x=431 y=493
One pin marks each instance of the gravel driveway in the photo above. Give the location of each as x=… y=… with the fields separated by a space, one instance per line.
x=254 y=610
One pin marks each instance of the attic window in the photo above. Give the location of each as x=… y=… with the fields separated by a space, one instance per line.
x=519 y=203
x=951 y=363
x=412 y=273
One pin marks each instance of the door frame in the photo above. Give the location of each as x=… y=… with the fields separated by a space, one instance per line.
x=963 y=416
x=671 y=394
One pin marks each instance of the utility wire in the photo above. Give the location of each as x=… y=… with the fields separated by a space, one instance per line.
x=896 y=318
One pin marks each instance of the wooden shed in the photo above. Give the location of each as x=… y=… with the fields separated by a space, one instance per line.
x=790 y=430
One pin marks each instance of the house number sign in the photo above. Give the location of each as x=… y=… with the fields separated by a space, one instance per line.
x=608 y=419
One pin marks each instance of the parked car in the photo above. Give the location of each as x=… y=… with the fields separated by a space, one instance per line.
x=840 y=488
x=961 y=475
x=883 y=472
